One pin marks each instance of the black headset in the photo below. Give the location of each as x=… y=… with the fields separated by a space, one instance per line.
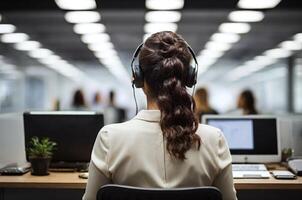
x=138 y=75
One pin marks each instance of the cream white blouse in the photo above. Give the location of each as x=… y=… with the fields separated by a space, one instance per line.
x=134 y=153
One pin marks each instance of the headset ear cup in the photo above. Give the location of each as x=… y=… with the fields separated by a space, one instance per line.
x=138 y=77
x=191 y=77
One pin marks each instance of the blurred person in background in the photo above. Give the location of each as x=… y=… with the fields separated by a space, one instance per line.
x=97 y=104
x=78 y=101
x=246 y=103
x=113 y=113
x=202 y=103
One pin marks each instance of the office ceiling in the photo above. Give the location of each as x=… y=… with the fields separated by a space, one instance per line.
x=134 y=4
x=43 y=21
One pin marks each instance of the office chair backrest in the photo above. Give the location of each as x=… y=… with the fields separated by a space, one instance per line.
x=119 y=192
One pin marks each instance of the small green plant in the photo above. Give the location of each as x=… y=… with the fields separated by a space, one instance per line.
x=41 y=148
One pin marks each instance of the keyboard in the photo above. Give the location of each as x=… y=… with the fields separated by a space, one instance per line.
x=69 y=166
x=14 y=170
x=245 y=171
x=249 y=167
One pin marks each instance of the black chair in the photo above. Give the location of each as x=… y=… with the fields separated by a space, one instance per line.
x=120 y=192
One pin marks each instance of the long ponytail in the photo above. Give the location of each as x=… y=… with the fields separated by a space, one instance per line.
x=165 y=62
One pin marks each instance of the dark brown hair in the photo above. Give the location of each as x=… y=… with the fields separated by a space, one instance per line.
x=78 y=99
x=202 y=96
x=165 y=61
x=247 y=102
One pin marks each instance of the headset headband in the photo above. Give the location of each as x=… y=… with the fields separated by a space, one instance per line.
x=138 y=49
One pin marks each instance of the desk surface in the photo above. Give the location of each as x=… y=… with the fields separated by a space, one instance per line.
x=72 y=181
x=54 y=180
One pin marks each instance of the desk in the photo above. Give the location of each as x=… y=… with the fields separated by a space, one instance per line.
x=72 y=181
x=70 y=186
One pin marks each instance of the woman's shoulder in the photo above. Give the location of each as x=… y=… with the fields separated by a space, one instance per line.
x=209 y=134
x=207 y=129
x=115 y=126
x=127 y=127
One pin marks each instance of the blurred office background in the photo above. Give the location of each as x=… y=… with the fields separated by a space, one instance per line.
x=51 y=48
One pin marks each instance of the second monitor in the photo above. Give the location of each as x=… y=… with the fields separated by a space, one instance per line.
x=253 y=139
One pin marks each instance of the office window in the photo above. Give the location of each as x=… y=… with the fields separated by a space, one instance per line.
x=298 y=86
x=11 y=98
x=35 y=93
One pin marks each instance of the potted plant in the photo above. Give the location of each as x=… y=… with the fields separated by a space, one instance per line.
x=39 y=153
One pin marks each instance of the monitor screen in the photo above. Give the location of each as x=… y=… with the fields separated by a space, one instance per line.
x=239 y=133
x=74 y=132
x=250 y=136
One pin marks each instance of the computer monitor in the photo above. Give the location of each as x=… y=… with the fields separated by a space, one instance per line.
x=251 y=139
x=74 y=132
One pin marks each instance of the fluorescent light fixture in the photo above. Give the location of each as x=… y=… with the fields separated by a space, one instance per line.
x=225 y=37
x=82 y=16
x=7 y=28
x=27 y=45
x=106 y=54
x=203 y=61
x=40 y=53
x=164 y=5
x=246 y=16
x=264 y=60
x=265 y=63
x=66 y=69
x=52 y=59
x=163 y=16
x=60 y=61
x=14 y=37
x=111 y=62
x=291 y=45
x=100 y=47
x=298 y=37
x=238 y=28
x=89 y=28
x=157 y=27
x=46 y=61
x=207 y=53
x=76 y=4
x=258 y=4
x=217 y=46
x=240 y=71
x=95 y=38
x=250 y=62
x=278 y=53
x=259 y=67
x=253 y=66
x=69 y=71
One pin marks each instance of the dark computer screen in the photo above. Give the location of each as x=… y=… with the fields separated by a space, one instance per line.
x=74 y=133
x=249 y=136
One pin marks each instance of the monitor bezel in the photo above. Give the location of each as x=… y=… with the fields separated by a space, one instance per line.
x=252 y=158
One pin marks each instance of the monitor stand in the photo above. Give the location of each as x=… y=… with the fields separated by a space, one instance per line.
x=69 y=166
